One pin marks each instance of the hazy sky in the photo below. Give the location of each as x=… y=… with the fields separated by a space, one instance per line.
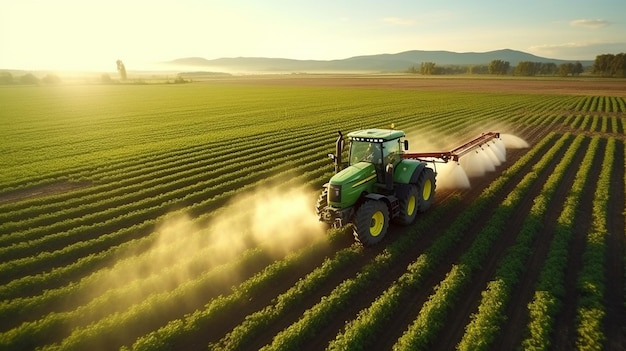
x=93 y=34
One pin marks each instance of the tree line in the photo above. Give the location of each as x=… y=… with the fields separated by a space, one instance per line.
x=607 y=65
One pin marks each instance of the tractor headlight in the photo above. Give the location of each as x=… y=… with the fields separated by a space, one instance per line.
x=334 y=193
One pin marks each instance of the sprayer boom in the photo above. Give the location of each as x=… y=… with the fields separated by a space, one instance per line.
x=454 y=154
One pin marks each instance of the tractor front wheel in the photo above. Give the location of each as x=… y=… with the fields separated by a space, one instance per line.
x=322 y=202
x=426 y=189
x=371 y=222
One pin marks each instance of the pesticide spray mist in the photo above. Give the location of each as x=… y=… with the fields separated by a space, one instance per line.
x=277 y=219
x=457 y=175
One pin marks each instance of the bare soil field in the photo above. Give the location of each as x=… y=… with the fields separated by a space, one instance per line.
x=572 y=85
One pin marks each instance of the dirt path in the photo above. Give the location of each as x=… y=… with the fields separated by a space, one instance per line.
x=36 y=191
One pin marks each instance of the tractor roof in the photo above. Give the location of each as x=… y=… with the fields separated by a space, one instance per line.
x=376 y=135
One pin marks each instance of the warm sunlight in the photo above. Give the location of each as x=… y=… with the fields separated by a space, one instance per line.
x=81 y=35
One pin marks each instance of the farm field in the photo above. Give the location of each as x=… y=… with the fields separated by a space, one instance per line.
x=160 y=217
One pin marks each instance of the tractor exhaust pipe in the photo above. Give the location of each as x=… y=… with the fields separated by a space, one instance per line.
x=338 y=151
x=336 y=157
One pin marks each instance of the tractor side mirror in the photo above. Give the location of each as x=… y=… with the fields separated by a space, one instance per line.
x=406 y=145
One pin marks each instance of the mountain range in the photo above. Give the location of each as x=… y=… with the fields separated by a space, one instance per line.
x=398 y=62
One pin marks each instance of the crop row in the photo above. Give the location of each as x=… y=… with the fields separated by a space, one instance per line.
x=485 y=324
x=601 y=104
x=591 y=280
x=550 y=287
x=435 y=310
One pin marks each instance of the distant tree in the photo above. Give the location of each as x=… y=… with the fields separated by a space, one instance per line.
x=499 y=67
x=122 y=69
x=52 y=79
x=577 y=68
x=527 y=68
x=609 y=65
x=601 y=64
x=6 y=78
x=565 y=69
x=619 y=63
x=451 y=69
x=180 y=80
x=478 y=69
x=548 y=69
x=413 y=69
x=29 y=79
x=427 y=68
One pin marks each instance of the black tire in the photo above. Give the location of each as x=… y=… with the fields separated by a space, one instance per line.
x=426 y=189
x=322 y=202
x=409 y=204
x=371 y=222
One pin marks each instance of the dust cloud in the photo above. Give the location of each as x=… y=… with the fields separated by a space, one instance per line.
x=272 y=220
x=275 y=219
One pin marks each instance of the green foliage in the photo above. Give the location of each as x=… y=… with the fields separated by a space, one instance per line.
x=591 y=280
x=550 y=287
x=485 y=324
x=499 y=67
x=29 y=79
x=134 y=156
x=6 y=78
x=51 y=79
x=610 y=65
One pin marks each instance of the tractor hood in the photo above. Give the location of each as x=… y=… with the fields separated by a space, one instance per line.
x=347 y=186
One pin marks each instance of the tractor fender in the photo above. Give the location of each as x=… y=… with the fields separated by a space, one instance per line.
x=377 y=197
x=374 y=196
x=408 y=171
x=417 y=173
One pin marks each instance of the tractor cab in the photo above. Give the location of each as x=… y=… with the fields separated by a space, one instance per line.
x=380 y=147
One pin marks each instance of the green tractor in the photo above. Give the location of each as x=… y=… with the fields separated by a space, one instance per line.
x=381 y=182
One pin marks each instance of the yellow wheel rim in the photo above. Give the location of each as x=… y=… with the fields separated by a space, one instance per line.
x=410 y=206
x=428 y=187
x=377 y=223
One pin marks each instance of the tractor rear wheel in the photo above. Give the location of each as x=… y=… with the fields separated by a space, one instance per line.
x=371 y=222
x=408 y=205
x=426 y=189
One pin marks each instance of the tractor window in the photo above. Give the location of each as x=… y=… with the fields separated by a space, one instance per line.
x=391 y=151
x=364 y=151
